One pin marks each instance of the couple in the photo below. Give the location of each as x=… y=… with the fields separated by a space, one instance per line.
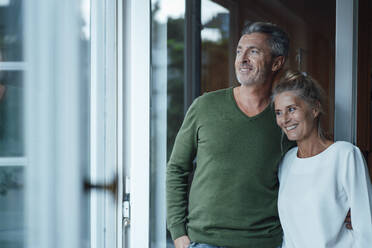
x=235 y=137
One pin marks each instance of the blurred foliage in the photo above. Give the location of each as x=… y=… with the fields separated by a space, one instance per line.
x=10 y=178
x=217 y=51
x=175 y=74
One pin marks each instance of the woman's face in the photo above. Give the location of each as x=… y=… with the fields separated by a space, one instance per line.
x=296 y=118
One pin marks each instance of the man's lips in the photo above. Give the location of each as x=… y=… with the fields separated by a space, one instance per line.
x=245 y=68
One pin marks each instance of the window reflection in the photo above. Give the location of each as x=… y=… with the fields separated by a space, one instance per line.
x=11 y=114
x=215 y=46
x=167 y=103
x=11 y=207
x=11 y=30
x=168 y=50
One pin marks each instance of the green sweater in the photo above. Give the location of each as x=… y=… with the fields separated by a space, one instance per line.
x=233 y=196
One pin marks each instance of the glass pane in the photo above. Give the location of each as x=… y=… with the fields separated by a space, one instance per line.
x=215 y=46
x=167 y=103
x=11 y=206
x=11 y=114
x=11 y=30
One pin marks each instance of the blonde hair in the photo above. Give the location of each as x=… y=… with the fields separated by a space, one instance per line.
x=306 y=88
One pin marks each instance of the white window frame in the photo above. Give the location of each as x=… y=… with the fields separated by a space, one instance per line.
x=346 y=77
x=54 y=189
x=105 y=207
x=136 y=111
x=52 y=124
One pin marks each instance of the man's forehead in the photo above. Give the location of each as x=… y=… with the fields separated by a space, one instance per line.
x=253 y=37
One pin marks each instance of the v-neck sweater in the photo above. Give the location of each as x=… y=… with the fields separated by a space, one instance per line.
x=233 y=197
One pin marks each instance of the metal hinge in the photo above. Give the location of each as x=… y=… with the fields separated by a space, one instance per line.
x=126 y=203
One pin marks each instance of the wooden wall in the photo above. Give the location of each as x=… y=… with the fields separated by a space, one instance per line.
x=364 y=136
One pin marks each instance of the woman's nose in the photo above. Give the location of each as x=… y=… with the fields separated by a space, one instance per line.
x=286 y=118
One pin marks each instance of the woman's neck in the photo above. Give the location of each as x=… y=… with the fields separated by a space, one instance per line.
x=312 y=146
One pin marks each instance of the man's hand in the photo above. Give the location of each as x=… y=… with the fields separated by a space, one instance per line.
x=182 y=242
x=348 y=221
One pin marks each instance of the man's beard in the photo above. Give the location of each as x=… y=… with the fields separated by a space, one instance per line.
x=255 y=79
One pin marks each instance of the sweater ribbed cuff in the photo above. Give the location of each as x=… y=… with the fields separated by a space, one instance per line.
x=177 y=231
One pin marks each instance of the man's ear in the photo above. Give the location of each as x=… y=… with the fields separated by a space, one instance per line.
x=278 y=63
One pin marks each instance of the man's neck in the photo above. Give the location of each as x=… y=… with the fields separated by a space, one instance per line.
x=252 y=99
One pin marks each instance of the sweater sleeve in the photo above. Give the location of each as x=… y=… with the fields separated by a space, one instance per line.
x=358 y=189
x=179 y=167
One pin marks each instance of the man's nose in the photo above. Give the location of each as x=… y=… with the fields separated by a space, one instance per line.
x=245 y=57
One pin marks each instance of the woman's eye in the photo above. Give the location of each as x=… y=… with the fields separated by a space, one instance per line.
x=278 y=113
x=254 y=51
x=291 y=109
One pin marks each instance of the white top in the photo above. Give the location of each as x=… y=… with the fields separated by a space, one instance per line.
x=316 y=193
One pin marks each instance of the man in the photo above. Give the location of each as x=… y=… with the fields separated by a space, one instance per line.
x=237 y=146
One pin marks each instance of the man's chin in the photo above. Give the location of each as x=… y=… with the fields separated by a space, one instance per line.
x=249 y=83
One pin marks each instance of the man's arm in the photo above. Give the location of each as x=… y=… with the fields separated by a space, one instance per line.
x=178 y=170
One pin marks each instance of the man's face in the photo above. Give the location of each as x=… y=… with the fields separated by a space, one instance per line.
x=253 y=62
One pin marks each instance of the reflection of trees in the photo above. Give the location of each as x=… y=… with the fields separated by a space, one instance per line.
x=11 y=31
x=215 y=55
x=175 y=75
x=11 y=115
x=9 y=179
x=214 y=71
x=220 y=22
x=215 y=68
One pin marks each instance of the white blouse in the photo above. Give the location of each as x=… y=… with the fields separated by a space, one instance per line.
x=316 y=193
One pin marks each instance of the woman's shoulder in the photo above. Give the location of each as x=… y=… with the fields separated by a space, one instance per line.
x=291 y=153
x=289 y=157
x=287 y=162
x=344 y=147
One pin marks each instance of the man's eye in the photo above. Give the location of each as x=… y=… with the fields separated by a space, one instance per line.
x=278 y=113
x=254 y=51
x=291 y=109
x=238 y=52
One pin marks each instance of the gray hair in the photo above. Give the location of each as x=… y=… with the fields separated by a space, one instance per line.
x=306 y=88
x=278 y=38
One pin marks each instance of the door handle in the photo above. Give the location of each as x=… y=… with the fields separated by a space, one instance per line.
x=111 y=187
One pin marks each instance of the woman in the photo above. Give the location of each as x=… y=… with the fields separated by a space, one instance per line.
x=320 y=180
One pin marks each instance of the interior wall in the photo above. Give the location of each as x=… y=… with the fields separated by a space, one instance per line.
x=364 y=136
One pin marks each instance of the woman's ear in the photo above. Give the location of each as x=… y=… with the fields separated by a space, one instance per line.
x=316 y=110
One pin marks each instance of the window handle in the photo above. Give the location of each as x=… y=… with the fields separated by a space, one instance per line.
x=111 y=187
